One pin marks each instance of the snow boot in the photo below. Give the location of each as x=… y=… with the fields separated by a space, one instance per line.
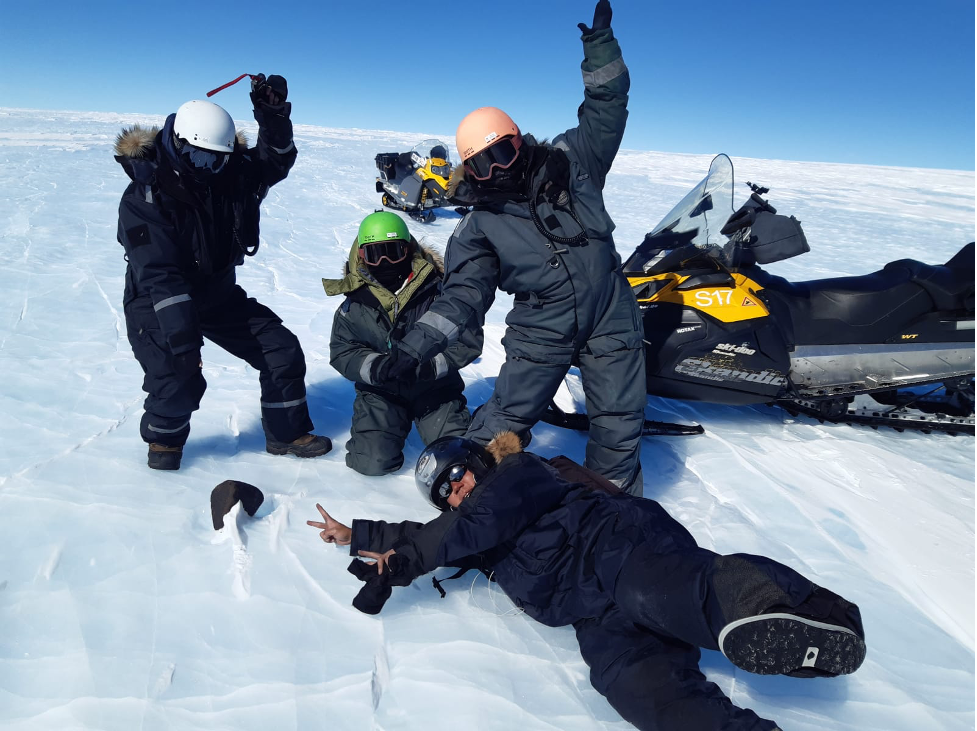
x=163 y=457
x=787 y=644
x=820 y=637
x=307 y=445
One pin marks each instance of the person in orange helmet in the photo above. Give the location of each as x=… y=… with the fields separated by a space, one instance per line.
x=539 y=231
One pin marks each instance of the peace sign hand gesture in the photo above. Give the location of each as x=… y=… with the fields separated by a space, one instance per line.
x=330 y=529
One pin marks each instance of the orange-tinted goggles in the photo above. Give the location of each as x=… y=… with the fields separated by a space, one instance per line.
x=394 y=251
x=498 y=155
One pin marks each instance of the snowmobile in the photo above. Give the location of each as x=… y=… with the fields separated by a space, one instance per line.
x=415 y=181
x=720 y=329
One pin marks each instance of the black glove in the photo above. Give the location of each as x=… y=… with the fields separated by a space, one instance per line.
x=377 y=587
x=270 y=92
x=270 y=108
x=427 y=371
x=602 y=18
x=187 y=365
x=398 y=367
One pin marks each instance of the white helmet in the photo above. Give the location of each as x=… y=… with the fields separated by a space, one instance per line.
x=206 y=125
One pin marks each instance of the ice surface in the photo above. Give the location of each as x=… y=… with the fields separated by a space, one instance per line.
x=121 y=608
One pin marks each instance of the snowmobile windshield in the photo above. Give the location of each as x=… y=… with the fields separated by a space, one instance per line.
x=696 y=220
x=433 y=150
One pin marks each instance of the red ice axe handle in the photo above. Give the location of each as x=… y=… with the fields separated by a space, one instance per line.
x=229 y=83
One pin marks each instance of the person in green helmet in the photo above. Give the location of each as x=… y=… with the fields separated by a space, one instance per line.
x=389 y=281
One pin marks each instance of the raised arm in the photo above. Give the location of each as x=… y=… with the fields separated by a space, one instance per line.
x=604 y=113
x=275 y=152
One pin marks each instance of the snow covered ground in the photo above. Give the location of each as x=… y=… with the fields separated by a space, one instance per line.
x=121 y=607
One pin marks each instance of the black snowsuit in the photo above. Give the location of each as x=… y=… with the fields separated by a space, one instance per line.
x=572 y=304
x=363 y=328
x=182 y=244
x=641 y=595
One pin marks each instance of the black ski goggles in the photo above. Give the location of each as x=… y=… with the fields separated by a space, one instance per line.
x=499 y=155
x=394 y=251
x=203 y=160
x=454 y=474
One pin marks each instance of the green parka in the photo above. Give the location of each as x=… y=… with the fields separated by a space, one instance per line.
x=372 y=317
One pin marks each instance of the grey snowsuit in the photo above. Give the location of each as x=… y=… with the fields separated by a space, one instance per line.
x=572 y=305
x=363 y=328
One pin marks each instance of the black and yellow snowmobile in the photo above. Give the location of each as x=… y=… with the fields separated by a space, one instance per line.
x=415 y=181
x=720 y=329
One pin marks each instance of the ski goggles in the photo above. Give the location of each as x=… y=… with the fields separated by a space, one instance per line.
x=454 y=474
x=394 y=251
x=499 y=155
x=203 y=160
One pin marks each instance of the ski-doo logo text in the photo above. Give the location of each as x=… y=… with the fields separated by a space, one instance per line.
x=726 y=348
x=701 y=368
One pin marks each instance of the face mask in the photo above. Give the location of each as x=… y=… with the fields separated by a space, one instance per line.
x=391 y=276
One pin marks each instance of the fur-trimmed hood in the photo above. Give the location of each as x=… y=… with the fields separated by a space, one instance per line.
x=136 y=141
x=425 y=265
x=504 y=444
x=356 y=275
x=139 y=149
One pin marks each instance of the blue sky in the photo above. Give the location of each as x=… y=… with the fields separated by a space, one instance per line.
x=872 y=81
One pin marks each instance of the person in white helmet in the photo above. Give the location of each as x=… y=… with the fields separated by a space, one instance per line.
x=186 y=221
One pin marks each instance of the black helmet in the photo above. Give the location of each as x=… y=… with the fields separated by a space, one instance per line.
x=435 y=463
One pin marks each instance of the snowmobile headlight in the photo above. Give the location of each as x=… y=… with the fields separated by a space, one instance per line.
x=443 y=170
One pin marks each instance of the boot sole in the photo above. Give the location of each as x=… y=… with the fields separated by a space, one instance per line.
x=305 y=455
x=163 y=468
x=785 y=644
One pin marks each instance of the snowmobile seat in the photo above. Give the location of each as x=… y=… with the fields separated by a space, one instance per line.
x=951 y=286
x=867 y=309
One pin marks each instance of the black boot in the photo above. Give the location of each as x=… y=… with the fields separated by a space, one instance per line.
x=162 y=457
x=307 y=445
x=821 y=637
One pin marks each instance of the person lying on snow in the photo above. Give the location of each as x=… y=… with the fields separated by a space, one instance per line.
x=570 y=548
x=390 y=281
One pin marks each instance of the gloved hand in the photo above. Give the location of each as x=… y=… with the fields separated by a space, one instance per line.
x=377 y=587
x=271 y=91
x=427 y=371
x=271 y=111
x=187 y=365
x=602 y=18
x=398 y=367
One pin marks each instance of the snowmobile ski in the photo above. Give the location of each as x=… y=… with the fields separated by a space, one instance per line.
x=556 y=416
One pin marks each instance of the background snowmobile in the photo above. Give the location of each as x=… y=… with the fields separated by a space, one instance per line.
x=720 y=329
x=415 y=181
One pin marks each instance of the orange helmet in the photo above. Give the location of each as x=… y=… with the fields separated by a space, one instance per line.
x=484 y=127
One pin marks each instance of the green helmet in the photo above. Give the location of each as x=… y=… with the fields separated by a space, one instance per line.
x=382 y=226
